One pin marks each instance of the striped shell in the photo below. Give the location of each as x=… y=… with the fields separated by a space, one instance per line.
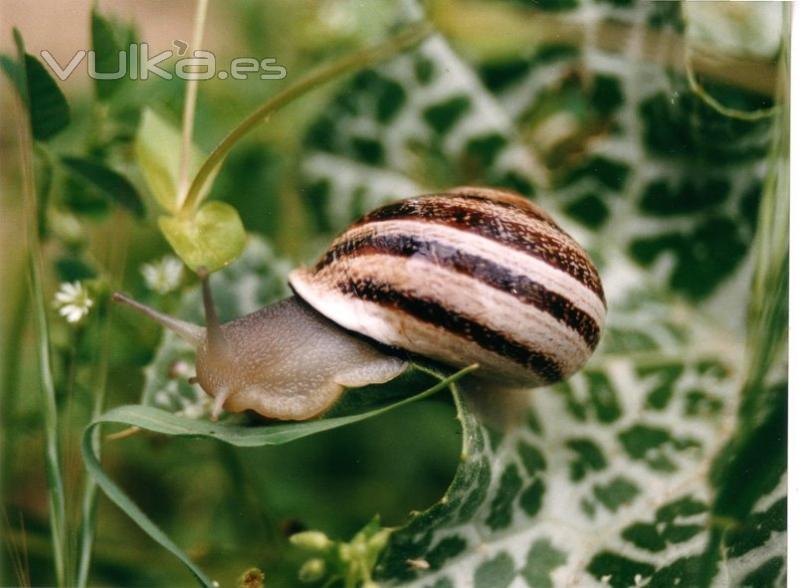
x=473 y=275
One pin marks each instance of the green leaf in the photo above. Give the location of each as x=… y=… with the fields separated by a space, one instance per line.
x=110 y=42
x=110 y=183
x=211 y=238
x=71 y=268
x=159 y=421
x=47 y=106
x=158 y=151
x=11 y=69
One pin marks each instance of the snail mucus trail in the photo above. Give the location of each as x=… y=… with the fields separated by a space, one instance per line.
x=471 y=275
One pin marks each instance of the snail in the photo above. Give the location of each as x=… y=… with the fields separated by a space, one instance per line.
x=471 y=275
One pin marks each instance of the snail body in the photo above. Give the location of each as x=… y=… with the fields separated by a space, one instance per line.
x=472 y=275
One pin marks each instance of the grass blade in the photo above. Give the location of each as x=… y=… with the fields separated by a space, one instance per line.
x=160 y=421
x=55 y=482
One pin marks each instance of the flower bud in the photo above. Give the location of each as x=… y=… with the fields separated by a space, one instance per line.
x=378 y=541
x=312 y=570
x=313 y=540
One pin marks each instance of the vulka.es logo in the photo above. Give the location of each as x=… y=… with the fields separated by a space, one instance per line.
x=138 y=64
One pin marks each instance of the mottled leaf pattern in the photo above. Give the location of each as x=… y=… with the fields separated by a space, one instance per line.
x=608 y=479
x=607 y=483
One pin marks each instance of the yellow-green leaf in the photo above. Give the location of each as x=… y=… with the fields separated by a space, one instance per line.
x=158 y=153
x=212 y=238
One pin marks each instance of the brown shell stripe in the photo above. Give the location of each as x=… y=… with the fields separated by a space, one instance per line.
x=485 y=271
x=433 y=312
x=554 y=252
x=526 y=207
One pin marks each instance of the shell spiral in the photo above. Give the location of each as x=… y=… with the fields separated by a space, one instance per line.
x=472 y=275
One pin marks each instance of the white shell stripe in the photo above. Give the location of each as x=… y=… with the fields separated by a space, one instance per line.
x=549 y=277
x=399 y=330
x=452 y=259
x=489 y=307
x=478 y=217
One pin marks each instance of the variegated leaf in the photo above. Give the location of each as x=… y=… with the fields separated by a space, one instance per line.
x=610 y=481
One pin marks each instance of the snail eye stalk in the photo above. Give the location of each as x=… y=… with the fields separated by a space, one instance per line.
x=189 y=332
x=216 y=337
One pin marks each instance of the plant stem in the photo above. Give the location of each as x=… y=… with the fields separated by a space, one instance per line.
x=89 y=498
x=86 y=537
x=768 y=309
x=12 y=359
x=189 y=103
x=55 y=483
x=355 y=61
x=758 y=445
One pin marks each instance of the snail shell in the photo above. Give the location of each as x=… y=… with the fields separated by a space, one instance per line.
x=473 y=275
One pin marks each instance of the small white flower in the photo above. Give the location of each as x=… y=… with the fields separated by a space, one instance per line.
x=163 y=276
x=162 y=398
x=72 y=301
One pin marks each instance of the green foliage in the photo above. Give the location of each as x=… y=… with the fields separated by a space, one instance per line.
x=210 y=238
x=111 y=43
x=113 y=185
x=159 y=421
x=158 y=152
x=350 y=562
x=40 y=97
x=46 y=104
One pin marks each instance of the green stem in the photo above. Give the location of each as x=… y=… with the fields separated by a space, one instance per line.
x=701 y=92
x=189 y=103
x=355 y=61
x=66 y=391
x=87 y=531
x=12 y=359
x=55 y=482
x=89 y=498
x=758 y=445
x=768 y=310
